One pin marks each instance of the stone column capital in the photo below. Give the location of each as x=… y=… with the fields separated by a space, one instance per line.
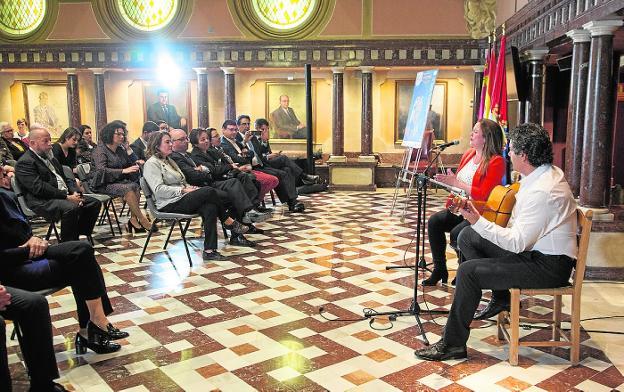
x=536 y=54
x=98 y=71
x=200 y=71
x=367 y=69
x=69 y=71
x=478 y=68
x=579 y=35
x=338 y=70
x=228 y=70
x=603 y=27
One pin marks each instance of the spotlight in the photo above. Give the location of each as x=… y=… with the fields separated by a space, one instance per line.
x=167 y=71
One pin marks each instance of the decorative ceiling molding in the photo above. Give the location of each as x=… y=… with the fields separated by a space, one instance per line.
x=480 y=16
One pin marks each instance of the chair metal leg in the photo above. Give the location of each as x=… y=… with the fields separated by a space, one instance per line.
x=147 y=240
x=225 y=234
x=106 y=214
x=112 y=204
x=49 y=233
x=173 y=222
x=90 y=238
x=183 y=231
x=272 y=197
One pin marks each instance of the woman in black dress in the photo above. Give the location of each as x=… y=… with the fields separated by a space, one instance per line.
x=64 y=149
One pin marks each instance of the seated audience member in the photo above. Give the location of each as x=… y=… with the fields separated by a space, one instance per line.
x=140 y=144
x=22 y=130
x=15 y=146
x=244 y=154
x=481 y=168
x=117 y=172
x=87 y=134
x=49 y=193
x=64 y=149
x=230 y=189
x=537 y=249
x=276 y=160
x=31 y=311
x=162 y=125
x=172 y=193
x=31 y=263
x=5 y=154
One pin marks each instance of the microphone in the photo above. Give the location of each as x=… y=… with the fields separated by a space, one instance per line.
x=442 y=147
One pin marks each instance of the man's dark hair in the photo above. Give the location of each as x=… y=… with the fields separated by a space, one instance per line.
x=261 y=121
x=107 y=133
x=228 y=122
x=150 y=127
x=196 y=134
x=242 y=116
x=162 y=90
x=532 y=140
x=161 y=122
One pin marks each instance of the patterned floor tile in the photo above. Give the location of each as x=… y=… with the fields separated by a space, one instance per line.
x=260 y=320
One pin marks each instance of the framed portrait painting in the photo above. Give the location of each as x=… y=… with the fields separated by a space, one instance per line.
x=286 y=110
x=436 y=118
x=169 y=104
x=45 y=103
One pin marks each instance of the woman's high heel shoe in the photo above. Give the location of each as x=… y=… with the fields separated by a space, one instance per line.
x=97 y=340
x=436 y=276
x=116 y=333
x=130 y=227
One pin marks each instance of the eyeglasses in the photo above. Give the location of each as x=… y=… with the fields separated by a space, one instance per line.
x=245 y=123
x=121 y=133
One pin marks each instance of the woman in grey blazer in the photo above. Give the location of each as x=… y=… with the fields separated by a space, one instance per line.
x=172 y=193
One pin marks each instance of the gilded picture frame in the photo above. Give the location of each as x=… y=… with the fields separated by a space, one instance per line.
x=282 y=122
x=402 y=99
x=45 y=103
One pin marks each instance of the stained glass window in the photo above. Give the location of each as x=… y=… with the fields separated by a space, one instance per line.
x=148 y=15
x=283 y=14
x=20 y=17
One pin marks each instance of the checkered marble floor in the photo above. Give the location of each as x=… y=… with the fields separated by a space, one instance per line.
x=253 y=322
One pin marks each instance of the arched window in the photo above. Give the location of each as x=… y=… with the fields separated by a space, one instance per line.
x=148 y=15
x=21 y=18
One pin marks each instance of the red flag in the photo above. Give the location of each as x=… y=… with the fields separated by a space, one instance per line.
x=498 y=108
x=487 y=105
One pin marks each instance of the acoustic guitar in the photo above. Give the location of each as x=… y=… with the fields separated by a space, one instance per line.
x=496 y=209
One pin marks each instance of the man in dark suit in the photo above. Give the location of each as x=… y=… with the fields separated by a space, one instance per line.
x=50 y=194
x=140 y=145
x=162 y=111
x=276 y=160
x=285 y=121
x=243 y=153
x=230 y=190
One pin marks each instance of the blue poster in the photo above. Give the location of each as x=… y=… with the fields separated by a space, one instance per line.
x=419 y=107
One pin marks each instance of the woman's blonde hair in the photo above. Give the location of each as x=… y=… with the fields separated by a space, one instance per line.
x=153 y=144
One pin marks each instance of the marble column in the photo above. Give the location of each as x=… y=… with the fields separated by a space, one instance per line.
x=230 y=92
x=73 y=97
x=100 y=98
x=476 y=97
x=535 y=102
x=338 y=112
x=599 y=109
x=576 y=108
x=202 y=97
x=367 y=111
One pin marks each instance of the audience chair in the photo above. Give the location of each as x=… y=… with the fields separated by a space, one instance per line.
x=508 y=323
x=30 y=214
x=167 y=217
x=108 y=202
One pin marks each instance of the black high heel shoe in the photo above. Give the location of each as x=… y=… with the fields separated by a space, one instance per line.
x=97 y=340
x=116 y=333
x=130 y=227
x=436 y=276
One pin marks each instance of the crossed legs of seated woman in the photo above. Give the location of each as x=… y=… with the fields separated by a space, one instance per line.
x=439 y=224
x=205 y=202
x=73 y=263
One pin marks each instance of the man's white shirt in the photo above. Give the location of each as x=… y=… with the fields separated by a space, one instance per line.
x=543 y=218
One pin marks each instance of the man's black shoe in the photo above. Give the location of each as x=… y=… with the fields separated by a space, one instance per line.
x=254 y=230
x=241 y=241
x=491 y=310
x=296 y=207
x=213 y=256
x=309 y=179
x=259 y=208
x=441 y=352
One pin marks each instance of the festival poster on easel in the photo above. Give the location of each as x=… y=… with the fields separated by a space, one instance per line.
x=419 y=108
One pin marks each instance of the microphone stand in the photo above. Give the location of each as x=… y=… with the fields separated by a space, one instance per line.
x=414 y=309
